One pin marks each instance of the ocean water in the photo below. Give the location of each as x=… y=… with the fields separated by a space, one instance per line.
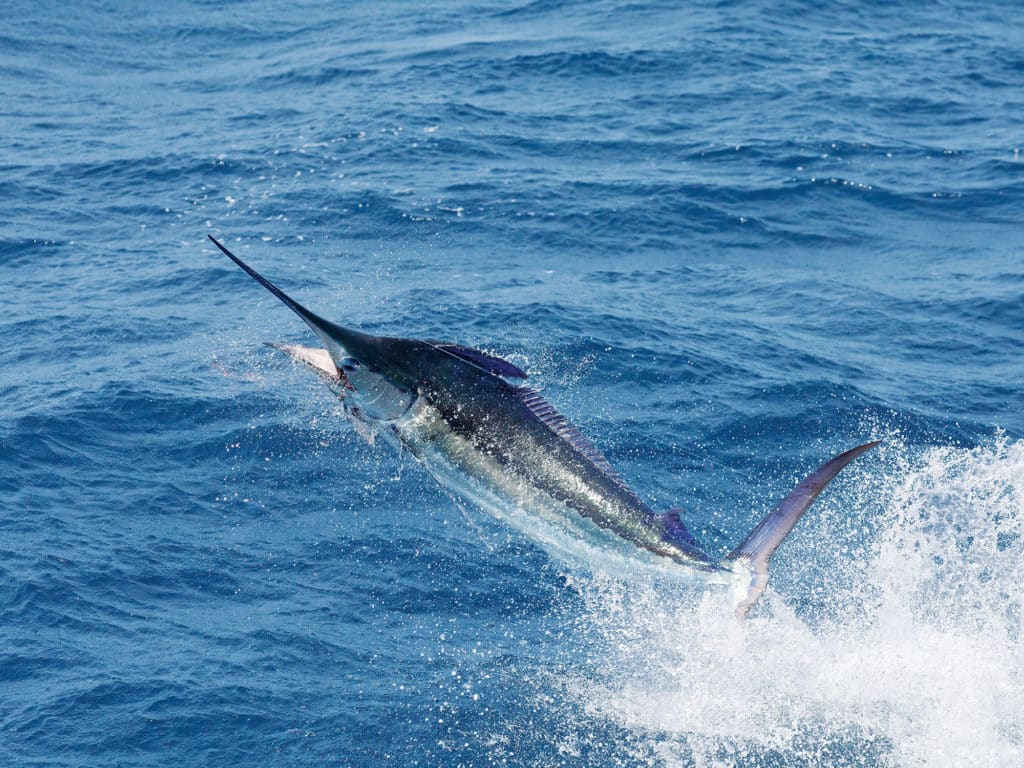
x=728 y=239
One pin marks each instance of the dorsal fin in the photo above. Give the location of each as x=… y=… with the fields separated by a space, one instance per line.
x=675 y=528
x=569 y=432
x=488 y=362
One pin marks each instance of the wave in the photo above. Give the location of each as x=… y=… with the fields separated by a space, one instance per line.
x=907 y=651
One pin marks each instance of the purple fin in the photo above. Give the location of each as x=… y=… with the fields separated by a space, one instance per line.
x=675 y=528
x=757 y=549
x=489 y=363
x=569 y=432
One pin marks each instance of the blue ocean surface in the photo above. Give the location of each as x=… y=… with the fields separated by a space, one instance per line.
x=727 y=239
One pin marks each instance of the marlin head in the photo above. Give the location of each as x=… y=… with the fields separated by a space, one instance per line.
x=350 y=360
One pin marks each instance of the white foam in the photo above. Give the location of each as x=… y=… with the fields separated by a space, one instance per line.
x=918 y=661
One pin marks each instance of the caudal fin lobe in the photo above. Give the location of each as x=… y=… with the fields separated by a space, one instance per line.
x=753 y=554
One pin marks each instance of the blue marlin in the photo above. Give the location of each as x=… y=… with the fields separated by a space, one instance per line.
x=466 y=416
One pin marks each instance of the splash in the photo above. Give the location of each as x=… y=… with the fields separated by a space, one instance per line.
x=917 y=662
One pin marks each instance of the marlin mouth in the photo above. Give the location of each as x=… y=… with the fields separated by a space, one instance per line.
x=338 y=340
x=316 y=358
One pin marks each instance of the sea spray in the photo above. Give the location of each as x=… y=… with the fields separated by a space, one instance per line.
x=919 y=663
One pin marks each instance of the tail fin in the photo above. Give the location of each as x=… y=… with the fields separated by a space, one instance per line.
x=752 y=556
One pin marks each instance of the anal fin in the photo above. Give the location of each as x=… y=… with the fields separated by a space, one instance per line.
x=676 y=530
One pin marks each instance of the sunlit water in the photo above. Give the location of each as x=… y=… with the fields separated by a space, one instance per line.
x=914 y=660
x=729 y=241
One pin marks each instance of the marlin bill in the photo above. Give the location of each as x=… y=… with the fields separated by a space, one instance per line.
x=472 y=423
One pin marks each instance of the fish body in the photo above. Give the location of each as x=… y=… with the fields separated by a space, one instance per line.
x=469 y=420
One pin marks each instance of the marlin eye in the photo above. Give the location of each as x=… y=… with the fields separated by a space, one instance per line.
x=350 y=364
